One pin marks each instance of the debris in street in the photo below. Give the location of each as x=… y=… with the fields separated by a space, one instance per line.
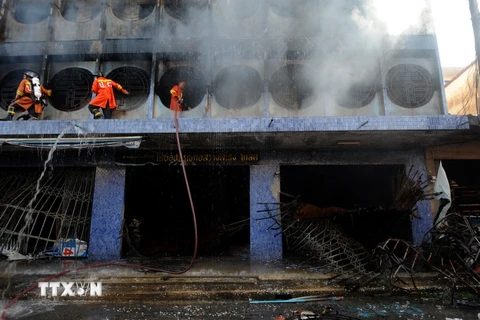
x=298 y=300
x=453 y=252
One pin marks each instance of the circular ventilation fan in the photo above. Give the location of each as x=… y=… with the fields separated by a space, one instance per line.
x=31 y=12
x=9 y=85
x=182 y=9
x=237 y=87
x=80 y=11
x=194 y=91
x=136 y=81
x=290 y=88
x=132 y=9
x=409 y=85
x=236 y=9
x=71 y=89
x=356 y=96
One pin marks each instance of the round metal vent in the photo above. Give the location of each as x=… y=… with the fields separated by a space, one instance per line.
x=409 y=85
x=293 y=8
x=237 y=87
x=31 y=12
x=136 y=81
x=356 y=96
x=9 y=85
x=80 y=10
x=290 y=87
x=71 y=89
x=180 y=9
x=132 y=9
x=194 y=91
x=236 y=9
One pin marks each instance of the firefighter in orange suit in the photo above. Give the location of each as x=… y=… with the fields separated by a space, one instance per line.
x=30 y=97
x=177 y=96
x=104 y=99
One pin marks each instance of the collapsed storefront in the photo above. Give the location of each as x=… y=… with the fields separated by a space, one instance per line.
x=155 y=208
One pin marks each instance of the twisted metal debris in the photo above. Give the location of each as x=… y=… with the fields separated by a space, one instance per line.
x=314 y=231
x=454 y=252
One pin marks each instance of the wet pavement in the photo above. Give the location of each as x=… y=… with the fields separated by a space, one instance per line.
x=217 y=288
x=355 y=307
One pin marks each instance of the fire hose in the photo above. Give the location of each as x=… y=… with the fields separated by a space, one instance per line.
x=136 y=266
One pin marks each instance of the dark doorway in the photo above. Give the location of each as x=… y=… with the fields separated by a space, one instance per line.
x=464 y=179
x=364 y=192
x=156 y=196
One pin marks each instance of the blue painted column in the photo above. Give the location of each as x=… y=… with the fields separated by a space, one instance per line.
x=420 y=227
x=107 y=214
x=264 y=188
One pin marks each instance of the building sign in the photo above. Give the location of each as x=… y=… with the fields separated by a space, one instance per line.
x=169 y=158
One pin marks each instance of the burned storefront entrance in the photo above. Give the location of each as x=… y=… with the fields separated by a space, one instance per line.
x=158 y=216
x=464 y=183
x=363 y=201
x=45 y=213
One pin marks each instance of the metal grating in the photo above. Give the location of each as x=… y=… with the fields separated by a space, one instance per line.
x=38 y=209
x=131 y=10
x=9 y=85
x=237 y=87
x=194 y=92
x=80 y=10
x=181 y=9
x=31 y=12
x=409 y=85
x=134 y=80
x=356 y=96
x=290 y=88
x=72 y=89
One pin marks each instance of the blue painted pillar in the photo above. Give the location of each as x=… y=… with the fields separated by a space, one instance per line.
x=264 y=188
x=424 y=211
x=107 y=214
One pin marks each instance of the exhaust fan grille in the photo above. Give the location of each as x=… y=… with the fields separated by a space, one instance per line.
x=238 y=87
x=80 y=11
x=356 y=96
x=409 y=85
x=290 y=87
x=136 y=81
x=195 y=89
x=71 y=89
x=131 y=10
x=31 y=12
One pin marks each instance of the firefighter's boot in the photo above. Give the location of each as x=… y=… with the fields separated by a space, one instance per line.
x=10 y=114
x=97 y=113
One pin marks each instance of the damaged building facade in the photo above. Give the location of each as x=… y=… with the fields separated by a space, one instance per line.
x=314 y=100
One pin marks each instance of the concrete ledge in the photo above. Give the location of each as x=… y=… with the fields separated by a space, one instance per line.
x=237 y=125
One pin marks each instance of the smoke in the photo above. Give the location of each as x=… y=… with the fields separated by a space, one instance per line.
x=400 y=17
x=339 y=42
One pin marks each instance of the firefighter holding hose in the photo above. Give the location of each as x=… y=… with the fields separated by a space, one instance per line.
x=30 y=96
x=176 y=101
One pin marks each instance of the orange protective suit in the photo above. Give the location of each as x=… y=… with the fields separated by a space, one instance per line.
x=103 y=88
x=177 y=95
x=25 y=97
